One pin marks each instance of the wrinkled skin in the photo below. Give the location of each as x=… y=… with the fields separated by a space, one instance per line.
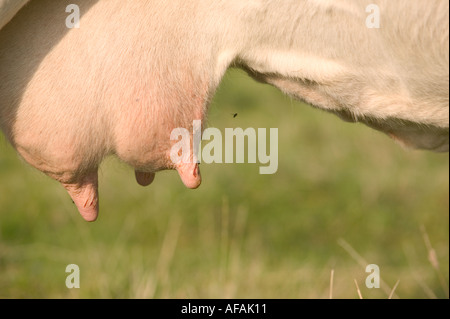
x=135 y=70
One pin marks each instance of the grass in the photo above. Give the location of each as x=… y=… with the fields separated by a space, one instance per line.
x=241 y=234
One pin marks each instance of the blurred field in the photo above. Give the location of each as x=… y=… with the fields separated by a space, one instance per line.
x=340 y=189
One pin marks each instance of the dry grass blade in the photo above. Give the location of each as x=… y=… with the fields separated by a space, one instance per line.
x=331 y=283
x=409 y=251
x=393 y=289
x=224 y=239
x=432 y=257
x=167 y=251
x=358 y=290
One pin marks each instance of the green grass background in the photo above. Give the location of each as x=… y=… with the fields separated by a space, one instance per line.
x=344 y=196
